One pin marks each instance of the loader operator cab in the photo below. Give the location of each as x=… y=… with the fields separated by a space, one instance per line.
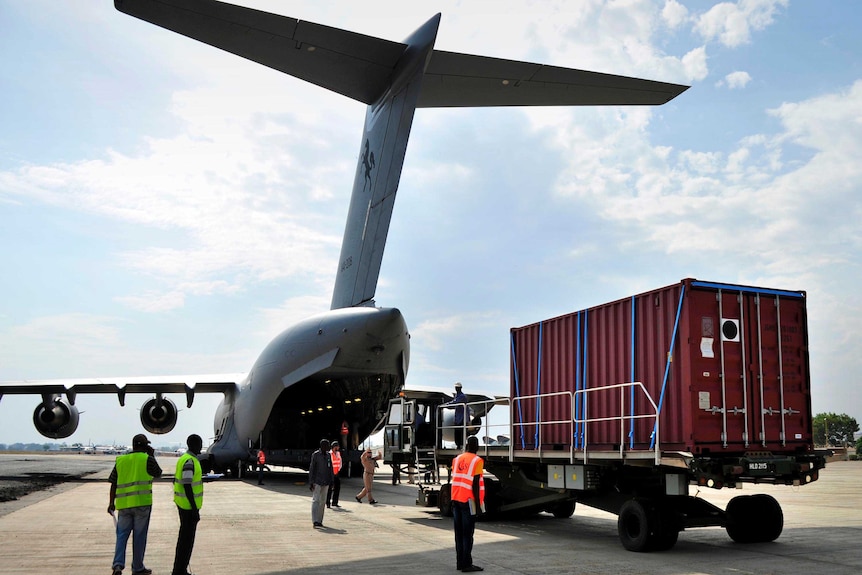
x=411 y=433
x=419 y=433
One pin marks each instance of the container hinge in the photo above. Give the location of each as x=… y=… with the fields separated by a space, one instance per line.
x=785 y=411
x=737 y=410
x=715 y=409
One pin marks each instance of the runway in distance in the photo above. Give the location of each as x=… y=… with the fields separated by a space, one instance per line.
x=344 y=364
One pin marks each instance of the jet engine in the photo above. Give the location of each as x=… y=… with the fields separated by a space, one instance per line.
x=158 y=415
x=55 y=417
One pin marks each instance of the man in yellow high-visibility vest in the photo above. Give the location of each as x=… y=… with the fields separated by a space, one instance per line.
x=131 y=496
x=189 y=497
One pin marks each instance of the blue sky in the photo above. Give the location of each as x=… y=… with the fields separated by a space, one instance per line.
x=168 y=208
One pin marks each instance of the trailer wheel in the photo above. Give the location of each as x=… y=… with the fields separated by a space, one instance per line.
x=445 y=500
x=667 y=530
x=564 y=510
x=633 y=526
x=738 y=520
x=771 y=517
x=754 y=519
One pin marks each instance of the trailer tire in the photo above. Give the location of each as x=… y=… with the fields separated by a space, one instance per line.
x=754 y=519
x=445 y=500
x=666 y=530
x=771 y=518
x=565 y=510
x=634 y=526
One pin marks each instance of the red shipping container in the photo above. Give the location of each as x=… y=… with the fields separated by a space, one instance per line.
x=725 y=365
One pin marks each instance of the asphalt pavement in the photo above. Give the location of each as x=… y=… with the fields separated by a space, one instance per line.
x=267 y=530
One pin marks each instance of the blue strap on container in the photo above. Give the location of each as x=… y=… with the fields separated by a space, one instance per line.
x=538 y=387
x=517 y=387
x=584 y=380
x=667 y=365
x=577 y=381
x=631 y=379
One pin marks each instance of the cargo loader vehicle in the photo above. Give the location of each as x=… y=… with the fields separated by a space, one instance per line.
x=626 y=406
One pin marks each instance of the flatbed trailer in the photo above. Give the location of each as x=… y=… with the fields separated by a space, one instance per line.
x=625 y=406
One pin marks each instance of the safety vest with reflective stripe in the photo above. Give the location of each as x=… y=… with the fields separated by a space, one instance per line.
x=336 y=461
x=464 y=468
x=134 y=484
x=197 y=484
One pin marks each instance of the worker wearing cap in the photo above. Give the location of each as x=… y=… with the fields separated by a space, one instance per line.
x=369 y=463
x=460 y=413
x=131 y=495
x=468 y=502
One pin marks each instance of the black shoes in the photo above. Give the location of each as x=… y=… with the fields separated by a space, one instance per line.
x=318 y=524
x=471 y=568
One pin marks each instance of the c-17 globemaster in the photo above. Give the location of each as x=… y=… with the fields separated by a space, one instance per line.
x=344 y=364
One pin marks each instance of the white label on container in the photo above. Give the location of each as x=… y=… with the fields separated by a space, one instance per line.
x=706 y=347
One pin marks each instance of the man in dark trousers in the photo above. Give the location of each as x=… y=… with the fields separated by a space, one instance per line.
x=319 y=480
x=460 y=400
x=131 y=496
x=335 y=488
x=468 y=502
x=189 y=497
x=261 y=463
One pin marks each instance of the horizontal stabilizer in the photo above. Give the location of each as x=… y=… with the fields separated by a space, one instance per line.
x=351 y=64
x=454 y=80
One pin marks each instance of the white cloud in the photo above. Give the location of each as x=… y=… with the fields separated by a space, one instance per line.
x=674 y=13
x=735 y=80
x=694 y=64
x=732 y=23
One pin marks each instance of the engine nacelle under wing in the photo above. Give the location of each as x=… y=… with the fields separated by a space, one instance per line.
x=55 y=417
x=158 y=415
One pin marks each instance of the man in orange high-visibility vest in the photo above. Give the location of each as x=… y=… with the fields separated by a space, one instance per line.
x=261 y=462
x=335 y=486
x=468 y=501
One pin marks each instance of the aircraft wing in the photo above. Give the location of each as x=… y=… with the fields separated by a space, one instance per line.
x=360 y=66
x=187 y=384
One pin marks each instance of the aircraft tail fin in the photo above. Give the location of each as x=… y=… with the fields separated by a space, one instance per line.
x=393 y=79
x=378 y=172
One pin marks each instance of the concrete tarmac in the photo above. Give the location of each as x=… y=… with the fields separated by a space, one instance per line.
x=266 y=530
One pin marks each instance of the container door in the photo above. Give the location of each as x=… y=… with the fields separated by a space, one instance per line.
x=779 y=371
x=750 y=371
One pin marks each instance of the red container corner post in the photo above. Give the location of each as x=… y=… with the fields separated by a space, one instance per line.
x=722 y=369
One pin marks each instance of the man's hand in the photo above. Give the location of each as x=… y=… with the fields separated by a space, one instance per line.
x=196 y=514
x=111 y=508
x=311 y=487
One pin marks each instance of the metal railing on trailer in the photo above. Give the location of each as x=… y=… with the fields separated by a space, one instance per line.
x=578 y=447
